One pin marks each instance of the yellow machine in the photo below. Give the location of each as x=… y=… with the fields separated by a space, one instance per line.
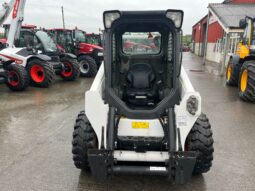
x=241 y=66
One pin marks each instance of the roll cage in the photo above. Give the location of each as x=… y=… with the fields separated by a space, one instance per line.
x=249 y=30
x=170 y=56
x=30 y=38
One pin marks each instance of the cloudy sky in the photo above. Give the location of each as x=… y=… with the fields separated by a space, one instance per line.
x=87 y=14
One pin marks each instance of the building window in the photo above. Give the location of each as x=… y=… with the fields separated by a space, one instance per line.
x=219 y=45
x=233 y=42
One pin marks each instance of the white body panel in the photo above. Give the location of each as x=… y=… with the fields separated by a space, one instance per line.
x=97 y=113
x=96 y=110
x=11 y=54
x=150 y=156
x=184 y=120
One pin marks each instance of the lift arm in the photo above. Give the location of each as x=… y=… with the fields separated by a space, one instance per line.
x=17 y=9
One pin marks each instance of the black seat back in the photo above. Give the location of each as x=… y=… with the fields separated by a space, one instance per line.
x=140 y=76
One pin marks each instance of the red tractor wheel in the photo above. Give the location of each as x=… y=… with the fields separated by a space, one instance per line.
x=71 y=70
x=41 y=73
x=13 y=78
x=37 y=73
x=17 y=77
x=68 y=70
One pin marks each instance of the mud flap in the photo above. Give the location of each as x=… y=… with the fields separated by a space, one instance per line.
x=183 y=165
x=99 y=161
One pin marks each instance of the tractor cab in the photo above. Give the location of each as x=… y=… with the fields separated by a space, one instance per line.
x=64 y=39
x=92 y=38
x=247 y=43
x=79 y=36
x=6 y=27
x=143 y=61
x=86 y=46
x=25 y=26
x=39 y=40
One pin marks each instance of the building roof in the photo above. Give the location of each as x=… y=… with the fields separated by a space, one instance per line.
x=227 y=1
x=200 y=20
x=230 y=14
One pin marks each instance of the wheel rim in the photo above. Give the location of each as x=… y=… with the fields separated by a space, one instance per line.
x=84 y=67
x=37 y=73
x=229 y=71
x=13 y=78
x=68 y=70
x=244 y=80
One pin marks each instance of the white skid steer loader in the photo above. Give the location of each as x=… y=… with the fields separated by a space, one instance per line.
x=142 y=114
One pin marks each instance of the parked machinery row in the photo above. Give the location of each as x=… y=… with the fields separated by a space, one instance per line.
x=47 y=53
x=74 y=41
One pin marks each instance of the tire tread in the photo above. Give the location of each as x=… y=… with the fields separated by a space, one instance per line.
x=92 y=66
x=249 y=94
x=23 y=77
x=84 y=138
x=201 y=141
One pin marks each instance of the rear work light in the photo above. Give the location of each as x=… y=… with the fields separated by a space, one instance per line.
x=176 y=16
x=110 y=17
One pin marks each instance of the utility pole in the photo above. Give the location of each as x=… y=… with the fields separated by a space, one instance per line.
x=63 y=17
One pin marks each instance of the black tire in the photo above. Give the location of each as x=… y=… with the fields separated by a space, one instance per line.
x=46 y=69
x=247 y=93
x=200 y=140
x=84 y=138
x=88 y=66
x=72 y=69
x=17 y=77
x=232 y=74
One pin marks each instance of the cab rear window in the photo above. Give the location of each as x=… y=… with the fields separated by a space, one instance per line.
x=141 y=42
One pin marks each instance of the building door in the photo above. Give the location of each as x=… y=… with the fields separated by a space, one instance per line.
x=203 y=39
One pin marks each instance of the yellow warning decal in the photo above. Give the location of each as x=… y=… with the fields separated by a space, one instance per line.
x=140 y=125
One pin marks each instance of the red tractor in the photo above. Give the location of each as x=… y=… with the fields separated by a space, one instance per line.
x=92 y=38
x=6 y=27
x=89 y=56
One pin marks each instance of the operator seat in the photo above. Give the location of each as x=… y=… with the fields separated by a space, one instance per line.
x=141 y=89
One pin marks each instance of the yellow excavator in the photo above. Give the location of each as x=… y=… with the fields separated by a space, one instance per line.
x=241 y=67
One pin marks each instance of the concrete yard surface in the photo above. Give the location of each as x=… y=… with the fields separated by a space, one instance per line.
x=36 y=133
